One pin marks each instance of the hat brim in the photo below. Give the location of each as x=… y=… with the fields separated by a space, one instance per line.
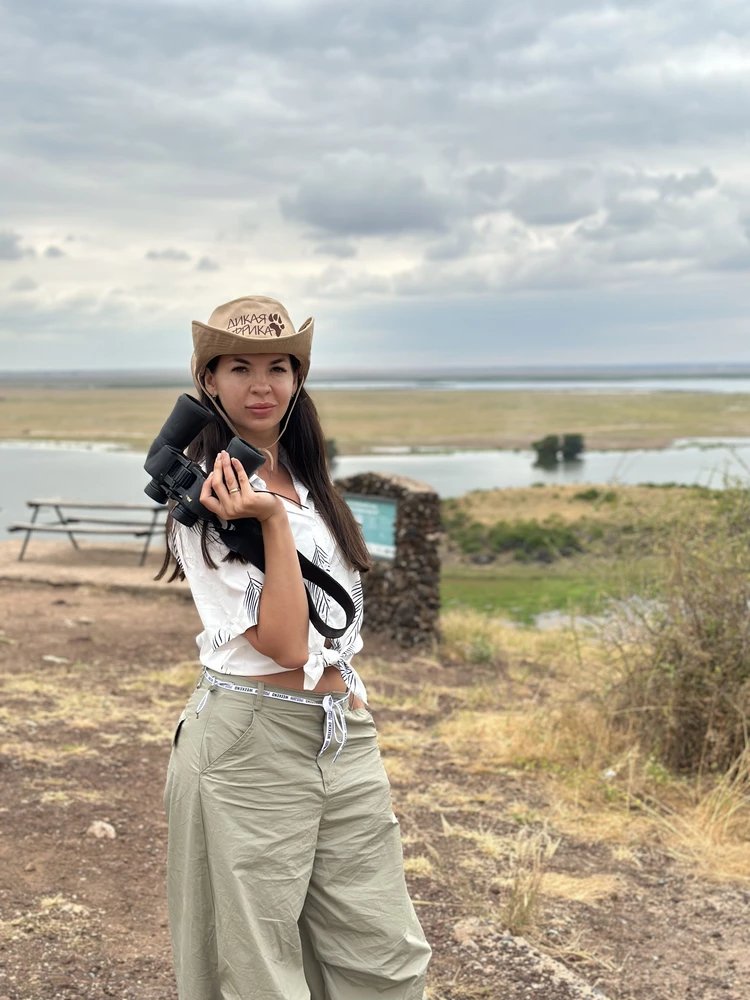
x=210 y=341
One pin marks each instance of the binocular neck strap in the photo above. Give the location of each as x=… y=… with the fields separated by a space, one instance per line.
x=222 y=413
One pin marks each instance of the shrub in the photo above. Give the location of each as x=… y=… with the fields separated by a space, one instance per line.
x=572 y=446
x=546 y=449
x=685 y=657
x=470 y=536
x=544 y=540
x=592 y=494
x=589 y=495
x=468 y=636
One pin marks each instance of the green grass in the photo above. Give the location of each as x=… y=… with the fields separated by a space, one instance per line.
x=521 y=596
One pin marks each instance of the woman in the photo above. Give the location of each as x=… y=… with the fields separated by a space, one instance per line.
x=285 y=875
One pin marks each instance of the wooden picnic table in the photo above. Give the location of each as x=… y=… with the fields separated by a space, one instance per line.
x=87 y=525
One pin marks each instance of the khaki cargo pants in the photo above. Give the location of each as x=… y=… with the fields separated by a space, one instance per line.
x=285 y=877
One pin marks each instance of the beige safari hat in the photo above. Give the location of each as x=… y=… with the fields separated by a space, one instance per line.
x=253 y=324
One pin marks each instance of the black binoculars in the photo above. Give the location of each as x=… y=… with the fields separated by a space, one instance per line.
x=174 y=476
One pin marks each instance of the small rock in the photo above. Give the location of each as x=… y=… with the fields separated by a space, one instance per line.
x=30 y=867
x=101 y=830
x=49 y=658
x=483 y=558
x=465 y=932
x=61 y=980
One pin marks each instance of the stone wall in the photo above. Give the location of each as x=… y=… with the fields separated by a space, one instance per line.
x=402 y=597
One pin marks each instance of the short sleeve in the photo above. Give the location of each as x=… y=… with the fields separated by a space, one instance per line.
x=228 y=597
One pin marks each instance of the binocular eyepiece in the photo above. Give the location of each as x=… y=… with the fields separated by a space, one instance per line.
x=176 y=477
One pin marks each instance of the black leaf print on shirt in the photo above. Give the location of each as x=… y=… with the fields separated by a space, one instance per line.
x=222 y=635
x=345 y=643
x=251 y=600
x=321 y=600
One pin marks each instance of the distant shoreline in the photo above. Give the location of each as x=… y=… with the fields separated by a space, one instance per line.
x=402 y=377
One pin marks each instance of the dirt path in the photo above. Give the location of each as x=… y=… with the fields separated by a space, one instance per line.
x=88 y=739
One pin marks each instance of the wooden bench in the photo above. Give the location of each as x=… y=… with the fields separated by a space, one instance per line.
x=87 y=525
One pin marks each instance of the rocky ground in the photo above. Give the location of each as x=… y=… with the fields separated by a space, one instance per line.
x=92 y=681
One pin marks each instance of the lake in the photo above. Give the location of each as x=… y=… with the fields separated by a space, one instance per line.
x=100 y=473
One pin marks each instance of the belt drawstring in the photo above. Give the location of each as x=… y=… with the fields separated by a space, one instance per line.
x=335 y=724
x=335 y=719
x=202 y=702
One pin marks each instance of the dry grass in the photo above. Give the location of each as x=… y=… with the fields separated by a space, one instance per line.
x=469 y=636
x=580 y=889
x=105 y=714
x=533 y=851
x=600 y=784
x=711 y=832
x=682 y=659
x=360 y=419
x=539 y=503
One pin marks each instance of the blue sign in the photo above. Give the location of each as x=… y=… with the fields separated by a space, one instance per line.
x=377 y=518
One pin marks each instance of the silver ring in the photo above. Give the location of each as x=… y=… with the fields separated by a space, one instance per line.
x=235 y=490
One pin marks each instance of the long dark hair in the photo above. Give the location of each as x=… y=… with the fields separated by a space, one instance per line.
x=305 y=446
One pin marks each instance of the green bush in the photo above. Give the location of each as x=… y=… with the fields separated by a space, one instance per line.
x=546 y=449
x=527 y=540
x=470 y=536
x=593 y=494
x=534 y=540
x=685 y=656
x=572 y=446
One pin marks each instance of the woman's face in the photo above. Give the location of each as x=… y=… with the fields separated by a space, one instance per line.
x=255 y=391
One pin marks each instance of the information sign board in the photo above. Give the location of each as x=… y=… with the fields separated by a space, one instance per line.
x=377 y=517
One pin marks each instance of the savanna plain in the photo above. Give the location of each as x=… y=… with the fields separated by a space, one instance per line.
x=573 y=789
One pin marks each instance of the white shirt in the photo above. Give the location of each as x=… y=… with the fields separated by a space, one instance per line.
x=227 y=598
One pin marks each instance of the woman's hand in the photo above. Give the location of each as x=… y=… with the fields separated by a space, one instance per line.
x=235 y=497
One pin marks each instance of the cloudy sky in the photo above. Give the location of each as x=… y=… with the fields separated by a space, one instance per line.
x=469 y=182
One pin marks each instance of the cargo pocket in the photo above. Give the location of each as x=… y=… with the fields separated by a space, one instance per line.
x=178 y=727
x=226 y=735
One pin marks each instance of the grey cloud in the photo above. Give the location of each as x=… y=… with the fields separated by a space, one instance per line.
x=206 y=264
x=686 y=185
x=453 y=131
x=359 y=196
x=168 y=254
x=738 y=261
x=560 y=198
x=458 y=244
x=342 y=249
x=53 y=251
x=336 y=248
x=487 y=184
x=548 y=79
x=10 y=247
x=24 y=284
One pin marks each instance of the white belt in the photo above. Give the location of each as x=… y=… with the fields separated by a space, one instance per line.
x=335 y=721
